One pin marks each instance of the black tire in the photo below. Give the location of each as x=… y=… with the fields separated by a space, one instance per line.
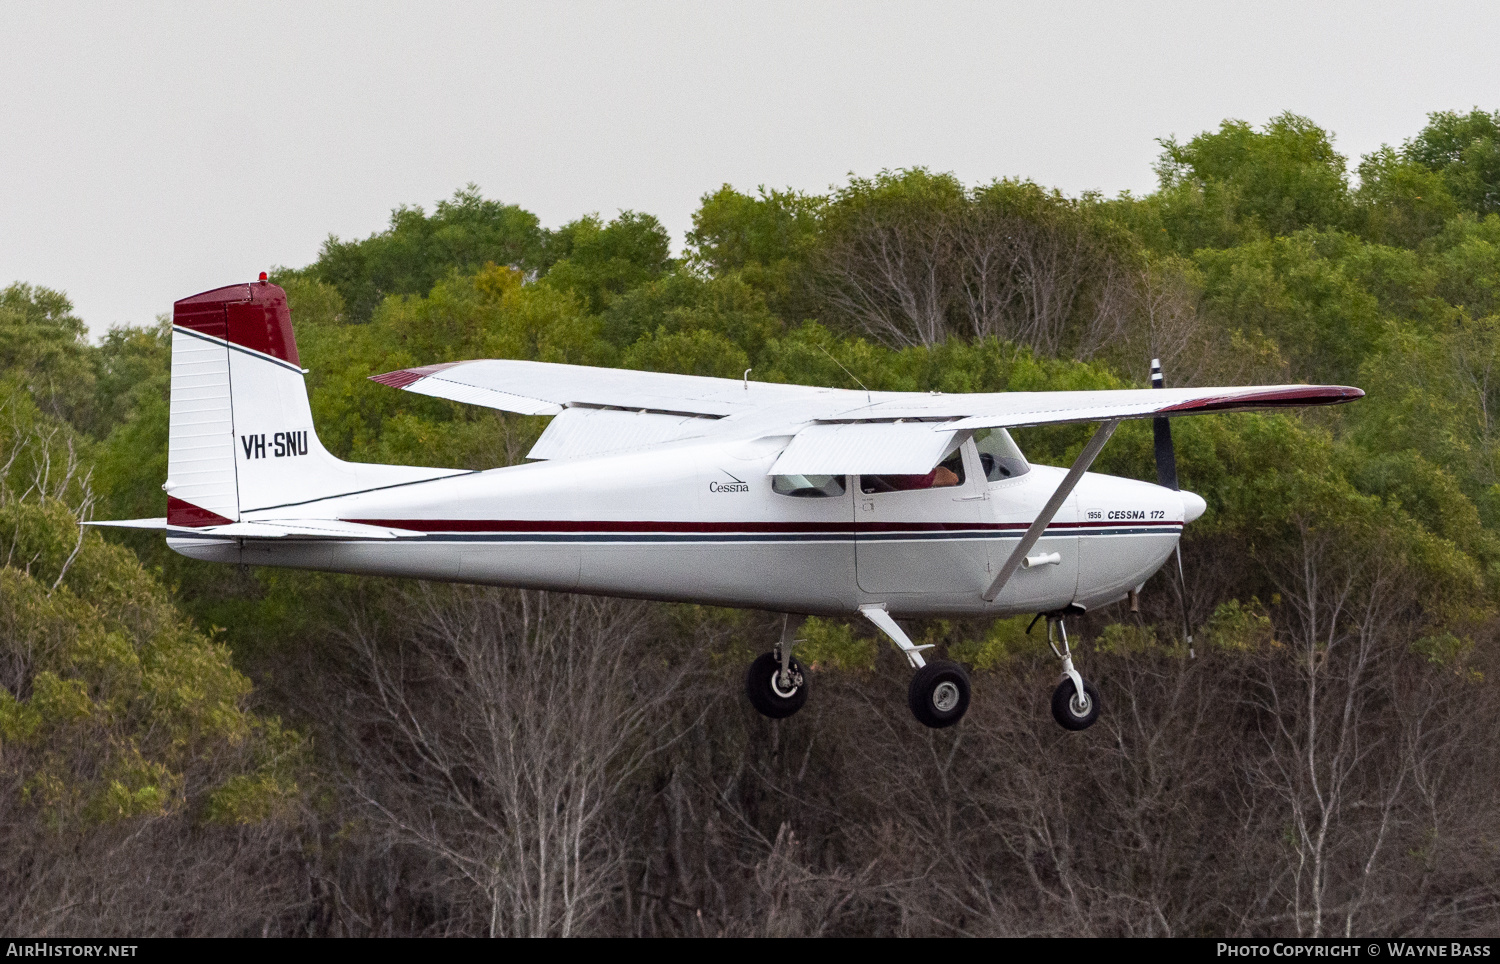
x=761 y=686
x=939 y=694
x=1066 y=714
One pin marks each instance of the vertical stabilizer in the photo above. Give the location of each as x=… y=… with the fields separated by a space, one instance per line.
x=242 y=438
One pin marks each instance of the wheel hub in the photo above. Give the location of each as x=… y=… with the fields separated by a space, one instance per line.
x=1079 y=704
x=945 y=697
x=785 y=692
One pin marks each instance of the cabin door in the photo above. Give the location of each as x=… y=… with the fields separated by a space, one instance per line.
x=923 y=533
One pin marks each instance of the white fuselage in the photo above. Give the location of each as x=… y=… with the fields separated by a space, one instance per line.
x=699 y=522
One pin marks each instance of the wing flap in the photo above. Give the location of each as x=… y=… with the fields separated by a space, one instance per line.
x=586 y=432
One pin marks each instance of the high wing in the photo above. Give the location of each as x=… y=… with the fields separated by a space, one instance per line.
x=604 y=410
x=545 y=388
x=1021 y=409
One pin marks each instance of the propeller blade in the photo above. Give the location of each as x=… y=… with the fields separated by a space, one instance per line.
x=1187 y=625
x=1166 y=456
x=1166 y=476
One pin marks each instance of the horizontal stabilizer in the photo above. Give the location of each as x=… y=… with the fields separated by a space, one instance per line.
x=158 y=524
x=273 y=529
x=309 y=529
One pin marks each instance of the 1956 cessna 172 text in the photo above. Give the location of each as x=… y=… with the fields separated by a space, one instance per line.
x=798 y=500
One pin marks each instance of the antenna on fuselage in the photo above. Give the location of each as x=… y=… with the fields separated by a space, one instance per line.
x=847 y=372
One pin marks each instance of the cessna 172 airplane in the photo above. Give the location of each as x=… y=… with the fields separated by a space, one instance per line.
x=798 y=500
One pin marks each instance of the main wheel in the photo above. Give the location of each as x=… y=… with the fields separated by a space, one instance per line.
x=1070 y=712
x=767 y=695
x=939 y=694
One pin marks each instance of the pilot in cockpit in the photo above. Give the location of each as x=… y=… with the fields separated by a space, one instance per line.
x=949 y=473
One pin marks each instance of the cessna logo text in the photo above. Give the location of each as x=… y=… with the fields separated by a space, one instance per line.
x=281 y=445
x=1119 y=515
x=728 y=487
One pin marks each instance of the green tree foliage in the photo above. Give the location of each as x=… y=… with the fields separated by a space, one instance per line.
x=1400 y=201
x=734 y=231
x=410 y=256
x=112 y=705
x=599 y=262
x=1464 y=150
x=1233 y=184
x=1296 y=292
x=44 y=343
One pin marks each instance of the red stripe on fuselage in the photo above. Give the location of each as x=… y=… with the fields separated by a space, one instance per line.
x=554 y=525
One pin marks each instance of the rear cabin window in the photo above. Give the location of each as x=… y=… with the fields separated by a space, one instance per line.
x=950 y=472
x=808 y=486
x=999 y=455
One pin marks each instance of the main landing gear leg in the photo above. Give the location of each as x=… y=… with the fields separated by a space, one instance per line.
x=939 y=692
x=775 y=683
x=790 y=627
x=1075 y=703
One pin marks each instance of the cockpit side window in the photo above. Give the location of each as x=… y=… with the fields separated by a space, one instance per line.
x=808 y=486
x=950 y=472
x=999 y=455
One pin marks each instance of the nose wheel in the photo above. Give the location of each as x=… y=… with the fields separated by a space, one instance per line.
x=1071 y=711
x=1075 y=703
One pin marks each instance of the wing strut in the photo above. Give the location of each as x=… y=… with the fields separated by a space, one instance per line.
x=1049 y=511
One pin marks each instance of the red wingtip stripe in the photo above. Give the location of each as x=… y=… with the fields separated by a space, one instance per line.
x=180 y=513
x=405 y=376
x=1288 y=396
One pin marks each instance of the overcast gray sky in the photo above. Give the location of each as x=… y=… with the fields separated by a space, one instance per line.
x=151 y=151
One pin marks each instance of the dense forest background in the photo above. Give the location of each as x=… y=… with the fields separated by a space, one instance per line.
x=192 y=749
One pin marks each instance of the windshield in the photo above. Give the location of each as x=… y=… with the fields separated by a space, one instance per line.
x=999 y=455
